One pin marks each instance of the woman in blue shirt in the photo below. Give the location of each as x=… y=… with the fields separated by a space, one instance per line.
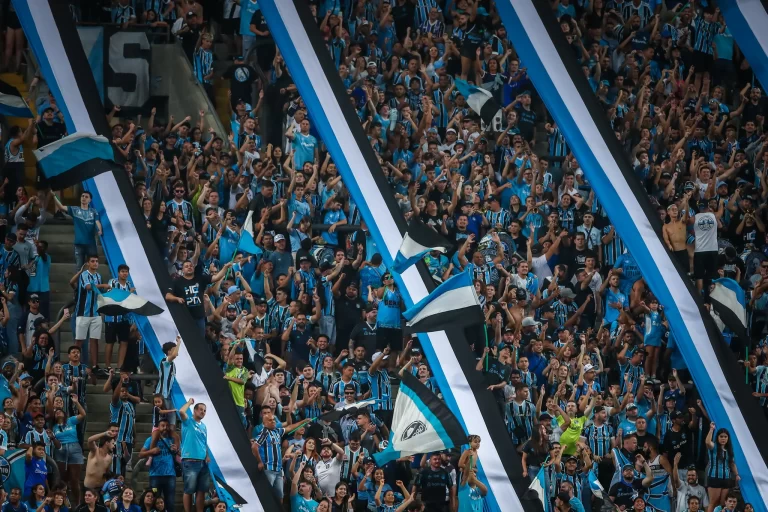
x=69 y=457
x=721 y=466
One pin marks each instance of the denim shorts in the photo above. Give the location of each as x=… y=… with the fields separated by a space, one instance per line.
x=197 y=477
x=69 y=453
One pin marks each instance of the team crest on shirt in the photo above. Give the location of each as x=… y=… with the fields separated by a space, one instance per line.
x=705 y=223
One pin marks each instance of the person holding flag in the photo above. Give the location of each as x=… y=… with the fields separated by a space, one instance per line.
x=471 y=492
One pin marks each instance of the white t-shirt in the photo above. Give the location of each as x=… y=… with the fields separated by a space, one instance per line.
x=705 y=231
x=685 y=491
x=328 y=475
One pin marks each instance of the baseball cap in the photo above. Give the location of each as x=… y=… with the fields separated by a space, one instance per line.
x=588 y=368
x=34 y=296
x=369 y=460
x=521 y=294
x=676 y=415
x=232 y=289
x=232 y=307
x=11 y=363
x=371 y=63
x=449 y=130
x=25 y=376
x=529 y=322
x=628 y=466
x=279 y=238
x=461 y=141
x=303 y=259
x=632 y=406
x=378 y=355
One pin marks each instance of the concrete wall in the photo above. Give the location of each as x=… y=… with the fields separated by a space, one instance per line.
x=172 y=77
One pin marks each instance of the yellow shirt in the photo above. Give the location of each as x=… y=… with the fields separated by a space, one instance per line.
x=238 y=390
x=572 y=434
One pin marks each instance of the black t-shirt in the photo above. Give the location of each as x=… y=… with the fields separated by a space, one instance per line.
x=191 y=290
x=261 y=25
x=678 y=442
x=624 y=493
x=189 y=40
x=241 y=78
x=365 y=336
x=434 y=485
x=48 y=134
x=348 y=314
x=576 y=259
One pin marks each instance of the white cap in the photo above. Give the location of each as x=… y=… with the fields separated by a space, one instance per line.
x=279 y=238
x=529 y=322
x=588 y=368
x=378 y=355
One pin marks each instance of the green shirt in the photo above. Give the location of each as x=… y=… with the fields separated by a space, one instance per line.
x=572 y=434
x=238 y=390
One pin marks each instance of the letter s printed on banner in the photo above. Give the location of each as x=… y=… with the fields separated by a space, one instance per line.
x=126 y=71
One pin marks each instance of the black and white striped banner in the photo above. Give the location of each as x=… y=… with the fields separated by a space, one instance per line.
x=301 y=45
x=561 y=83
x=53 y=38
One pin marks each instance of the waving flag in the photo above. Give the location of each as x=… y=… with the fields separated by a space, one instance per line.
x=594 y=484
x=540 y=486
x=453 y=303
x=421 y=423
x=482 y=102
x=247 y=243
x=121 y=302
x=418 y=241
x=74 y=159
x=348 y=410
x=11 y=102
x=728 y=301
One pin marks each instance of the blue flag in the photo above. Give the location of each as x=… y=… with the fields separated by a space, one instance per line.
x=74 y=158
x=453 y=303
x=482 y=102
x=247 y=243
x=729 y=302
x=540 y=486
x=417 y=242
x=118 y=302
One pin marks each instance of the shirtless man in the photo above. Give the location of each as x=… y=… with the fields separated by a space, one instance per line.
x=675 y=234
x=102 y=448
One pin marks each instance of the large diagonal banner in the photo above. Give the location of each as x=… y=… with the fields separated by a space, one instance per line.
x=54 y=40
x=559 y=80
x=748 y=22
x=296 y=34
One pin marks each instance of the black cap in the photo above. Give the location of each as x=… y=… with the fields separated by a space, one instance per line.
x=302 y=259
x=676 y=415
x=369 y=460
x=521 y=294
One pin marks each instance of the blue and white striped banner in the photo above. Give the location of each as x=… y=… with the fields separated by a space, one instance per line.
x=295 y=32
x=560 y=82
x=59 y=52
x=748 y=22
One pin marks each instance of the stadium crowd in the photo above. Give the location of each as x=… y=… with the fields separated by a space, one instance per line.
x=576 y=349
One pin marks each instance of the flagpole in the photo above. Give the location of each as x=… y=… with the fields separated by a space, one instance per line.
x=485 y=331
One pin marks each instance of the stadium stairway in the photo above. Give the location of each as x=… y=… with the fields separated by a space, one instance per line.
x=59 y=235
